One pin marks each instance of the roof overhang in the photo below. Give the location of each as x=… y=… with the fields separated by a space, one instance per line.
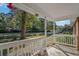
x=53 y=11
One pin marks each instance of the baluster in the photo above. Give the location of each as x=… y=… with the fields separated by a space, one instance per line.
x=4 y=52
x=65 y=39
x=62 y=39
x=19 y=50
x=27 y=49
x=46 y=42
x=10 y=51
x=58 y=40
x=69 y=40
x=55 y=39
x=23 y=49
x=72 y=40
x=31 y=48
x=41 y=44
x=13 y=51
x=35 y=45
x=1 y=52
x=7 y=51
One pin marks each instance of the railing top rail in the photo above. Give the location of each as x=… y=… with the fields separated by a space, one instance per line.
x=63 y=35
x=14 y=43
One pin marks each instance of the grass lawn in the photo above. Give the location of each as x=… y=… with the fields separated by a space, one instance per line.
x=8 y=37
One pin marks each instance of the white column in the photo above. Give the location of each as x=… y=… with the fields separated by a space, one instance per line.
x=54 y=32
x=53 y=28
x=45 y=27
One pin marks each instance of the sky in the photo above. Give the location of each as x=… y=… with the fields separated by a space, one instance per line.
x=4 y=8
x=62 y=23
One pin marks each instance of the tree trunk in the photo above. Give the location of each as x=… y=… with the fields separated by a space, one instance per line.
x=23 y=25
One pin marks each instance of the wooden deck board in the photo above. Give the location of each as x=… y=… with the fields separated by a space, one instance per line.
x=67 y=50
x=54 y=52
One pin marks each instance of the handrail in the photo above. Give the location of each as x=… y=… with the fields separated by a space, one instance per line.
x=31 y=46
x=65 y=39
x=23 y=47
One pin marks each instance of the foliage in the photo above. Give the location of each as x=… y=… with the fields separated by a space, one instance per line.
x=67 y=29
x=50 y=25
x=13 y=19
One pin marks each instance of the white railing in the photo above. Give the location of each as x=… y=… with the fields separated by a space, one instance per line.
x=23 y=47
x=64 y=39
x=32 y=46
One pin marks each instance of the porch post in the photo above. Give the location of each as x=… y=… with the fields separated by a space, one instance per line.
x=45 y=25
x=53 y=28
x=74 y=34
x=23 y=25
x=54 y=32
x=73 y=30
x=77 y=33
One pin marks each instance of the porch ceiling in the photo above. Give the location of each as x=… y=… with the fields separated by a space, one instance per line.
x=54 y=11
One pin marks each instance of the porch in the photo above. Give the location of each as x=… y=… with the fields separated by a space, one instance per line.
x=54 y=45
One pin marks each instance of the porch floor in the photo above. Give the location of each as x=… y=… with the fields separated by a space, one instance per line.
x=59 y=50
x=69 y=51
x=52 y=51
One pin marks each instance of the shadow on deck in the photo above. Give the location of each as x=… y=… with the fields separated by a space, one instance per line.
x=69 y=51
x=58 y=50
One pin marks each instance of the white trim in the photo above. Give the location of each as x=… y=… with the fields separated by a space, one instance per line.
x=45 y=27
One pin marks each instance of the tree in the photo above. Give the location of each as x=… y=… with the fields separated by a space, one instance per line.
x=50 y=25
x=23 y=25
